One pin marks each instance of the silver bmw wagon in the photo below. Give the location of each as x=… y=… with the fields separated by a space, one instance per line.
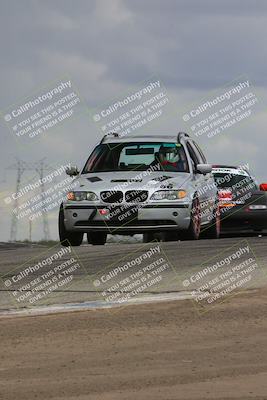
x=146 y=185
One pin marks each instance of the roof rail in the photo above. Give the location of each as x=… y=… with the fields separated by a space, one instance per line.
x=115 y=134
x=180 y=134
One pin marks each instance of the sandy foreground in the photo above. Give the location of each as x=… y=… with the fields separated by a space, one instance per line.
x=153 y=351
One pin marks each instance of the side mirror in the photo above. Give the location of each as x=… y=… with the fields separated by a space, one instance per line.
x=263 y=186
x=204 y=168
x=72 y=171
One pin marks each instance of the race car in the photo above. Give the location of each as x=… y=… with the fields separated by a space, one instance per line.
x=141 y=185
x=243 y=203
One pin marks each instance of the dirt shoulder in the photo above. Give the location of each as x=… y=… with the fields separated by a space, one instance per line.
x=154 y=351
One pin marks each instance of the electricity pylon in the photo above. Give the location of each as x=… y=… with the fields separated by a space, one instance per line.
x=21 y=167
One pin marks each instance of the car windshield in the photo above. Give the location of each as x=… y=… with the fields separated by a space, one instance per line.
x=234 y=181
x=137 y=156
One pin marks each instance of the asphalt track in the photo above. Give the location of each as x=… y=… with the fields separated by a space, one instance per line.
x=95 y=281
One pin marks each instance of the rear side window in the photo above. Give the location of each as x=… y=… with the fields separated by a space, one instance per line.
x=234 y=181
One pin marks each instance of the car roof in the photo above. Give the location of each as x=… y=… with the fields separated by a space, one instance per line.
x=113 y=138
x=139 y=138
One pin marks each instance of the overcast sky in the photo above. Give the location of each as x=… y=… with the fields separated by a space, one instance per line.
x=108 y=47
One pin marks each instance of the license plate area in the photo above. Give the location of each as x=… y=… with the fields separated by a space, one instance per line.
x=122 y=213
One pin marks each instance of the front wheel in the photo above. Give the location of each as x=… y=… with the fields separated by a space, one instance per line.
x=214 y=230
x=193 y=232
x=148 y=237
x=67 y=238
x=170 y=236
x=97 y=238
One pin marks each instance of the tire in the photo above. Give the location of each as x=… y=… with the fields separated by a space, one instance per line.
x=214 y=230
x=67 y=238
x=148 y=237
x=97 y=238
x=193 y=232
x=170 y=236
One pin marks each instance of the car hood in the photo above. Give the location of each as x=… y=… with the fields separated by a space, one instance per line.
x=131 y=180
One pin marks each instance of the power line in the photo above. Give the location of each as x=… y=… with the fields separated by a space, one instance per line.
x=21 y=166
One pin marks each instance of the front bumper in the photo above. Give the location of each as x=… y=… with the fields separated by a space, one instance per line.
x=145 y=218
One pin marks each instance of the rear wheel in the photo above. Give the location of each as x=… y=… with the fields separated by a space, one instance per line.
x=193 y=232
x=97 y=238
x=68 y=238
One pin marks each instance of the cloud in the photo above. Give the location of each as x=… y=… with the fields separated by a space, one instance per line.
x=112 y=14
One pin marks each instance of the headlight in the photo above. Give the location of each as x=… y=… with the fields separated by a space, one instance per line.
x=91 y=196
x=169 y=195
x=79 y=196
